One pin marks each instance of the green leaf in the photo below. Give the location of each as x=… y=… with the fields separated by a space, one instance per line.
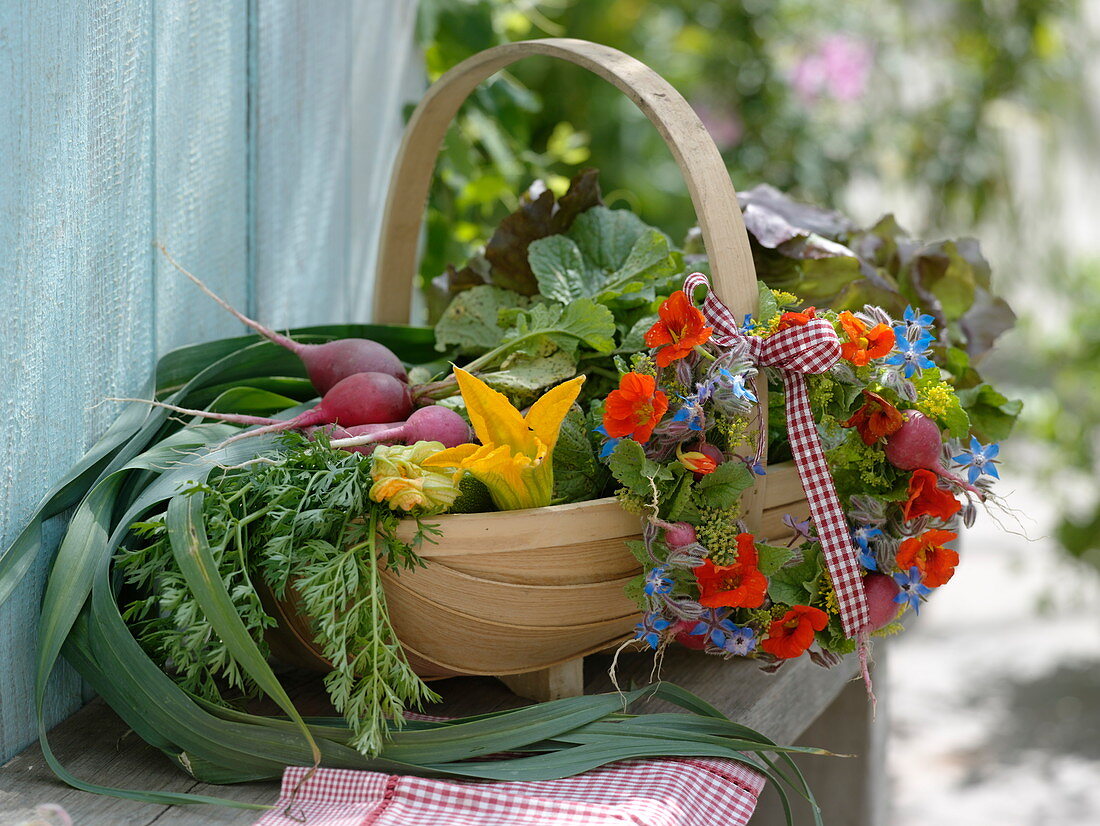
x=832 y=638
x=524 y=375
x=192 y=552
x=634 y=471
x=798 y=584
x=992 y=415
x=772 y=557
x=580 y=322
x=471 y=321
x=723 y=487
x=768 y=306
x=606 y=254
x=634 y=339
x=578 y=474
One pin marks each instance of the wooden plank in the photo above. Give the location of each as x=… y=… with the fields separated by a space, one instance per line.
x=92 y=742
x=75 y=197
x=851 y=791
x=201 y=166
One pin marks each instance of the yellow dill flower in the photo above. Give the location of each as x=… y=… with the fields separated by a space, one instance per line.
x=935 y=400
x=785 y=299
x=828 y=594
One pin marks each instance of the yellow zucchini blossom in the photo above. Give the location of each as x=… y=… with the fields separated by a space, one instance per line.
x=514 y=459
x=402 y=481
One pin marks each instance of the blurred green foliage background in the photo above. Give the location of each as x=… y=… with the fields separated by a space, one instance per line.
x=859 y=105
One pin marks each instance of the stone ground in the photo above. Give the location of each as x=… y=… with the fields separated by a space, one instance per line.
x=995 y=704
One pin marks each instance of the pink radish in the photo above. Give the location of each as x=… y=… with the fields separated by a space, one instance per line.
x=364 y=398
x=880 y=591
x=434 y=423
x=335 y=431
x=326 y=364
x=918 y=444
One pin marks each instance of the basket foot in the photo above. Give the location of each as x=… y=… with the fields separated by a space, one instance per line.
x=553 y=683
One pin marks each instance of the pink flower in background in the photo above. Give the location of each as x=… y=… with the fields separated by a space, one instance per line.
x=838 y=68
x=724 y=126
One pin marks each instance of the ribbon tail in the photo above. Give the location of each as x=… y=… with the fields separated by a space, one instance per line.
x=864 y=645
x=841 y=556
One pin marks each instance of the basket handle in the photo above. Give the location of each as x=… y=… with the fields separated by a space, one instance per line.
x=709 y=185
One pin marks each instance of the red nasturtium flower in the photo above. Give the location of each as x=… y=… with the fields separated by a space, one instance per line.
x=680 y=328
x=635 y=408
x=793 y=319
x=876 y=419
x=935 y=562
x=926 y=497
x=863 y=344
x=793 y=633
x=740 y=585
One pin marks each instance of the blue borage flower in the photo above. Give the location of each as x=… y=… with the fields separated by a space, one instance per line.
x=720 y=631
x=911 y=356
x=979 y=459
x=916 y=321
x=651 y=628
x=657 y=581
x=912 y=589
x=862 y=537
x=609 y=443
x=741 y=641
x=691 y=413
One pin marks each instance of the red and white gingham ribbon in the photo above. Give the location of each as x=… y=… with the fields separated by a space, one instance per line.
x=809 y=348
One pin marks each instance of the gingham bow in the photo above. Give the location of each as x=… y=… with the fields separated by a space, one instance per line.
x=809 y=348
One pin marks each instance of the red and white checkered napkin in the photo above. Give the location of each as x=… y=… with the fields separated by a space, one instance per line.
x=665 y=792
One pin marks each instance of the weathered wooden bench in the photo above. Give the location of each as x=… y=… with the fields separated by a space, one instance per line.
x=801 y=703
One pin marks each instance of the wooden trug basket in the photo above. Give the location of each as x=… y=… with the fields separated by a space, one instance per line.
x=525 y=595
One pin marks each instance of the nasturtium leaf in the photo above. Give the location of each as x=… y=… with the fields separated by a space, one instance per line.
x=770 y=558
x=798 y=584
x=832 y=638
x=471 y=320
x=722 y=487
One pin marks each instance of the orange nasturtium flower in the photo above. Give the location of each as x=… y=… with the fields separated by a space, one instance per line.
x=680 y=328
x=876 y=419
x=793 y=319
x=740 y=585
x=791 y=634
x=696 y=461
x=926 y=497
x=863 y=344
x=935 y=562
x=635 y=408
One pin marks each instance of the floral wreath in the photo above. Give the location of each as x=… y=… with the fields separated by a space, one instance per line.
x=678 y=434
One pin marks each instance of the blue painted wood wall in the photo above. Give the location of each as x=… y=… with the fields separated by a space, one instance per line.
x=251 y=137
